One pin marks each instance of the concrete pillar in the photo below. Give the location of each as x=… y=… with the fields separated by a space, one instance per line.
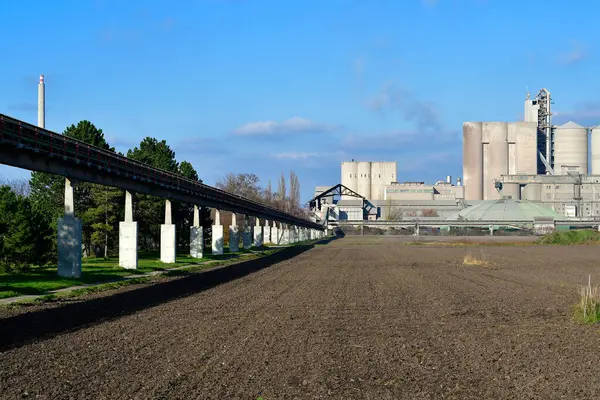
x=168 y=240
x=196 y=236
x=491 y=230
x=234 y=235
x=258 y=234
x=128 y=237
x=69 y=238
x=284 y=235
x=267 y=232
x=247 y=233
x=275 y=233
x=217 y=235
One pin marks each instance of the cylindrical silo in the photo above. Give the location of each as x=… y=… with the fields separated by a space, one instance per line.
x=349 y=176
x=570 y=148
x=364 y=179
x=596 y=150
x=532 y=192
x=495 y=162
x=511 y=189
x=473 y=160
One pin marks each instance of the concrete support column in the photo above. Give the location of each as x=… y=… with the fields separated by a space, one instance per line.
x=234 y=235
x=258 y=234
x=168 y=240
x=284 y=235
x=491 y=230
x=69 y=238
x=196 y=236
x=217 y=235
x=247 y=233
x=267 y=232
x=128 y=237
x=275 y=233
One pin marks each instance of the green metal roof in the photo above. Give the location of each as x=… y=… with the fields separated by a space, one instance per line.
x=505 y=209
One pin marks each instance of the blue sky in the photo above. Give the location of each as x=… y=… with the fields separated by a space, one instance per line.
x=273 y=86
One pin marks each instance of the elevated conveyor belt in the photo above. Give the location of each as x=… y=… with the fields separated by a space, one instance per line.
x=26 y=146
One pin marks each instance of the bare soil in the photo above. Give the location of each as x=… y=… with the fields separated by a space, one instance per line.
x=358 y=318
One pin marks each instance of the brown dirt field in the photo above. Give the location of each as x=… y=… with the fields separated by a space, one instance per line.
x=358 y=318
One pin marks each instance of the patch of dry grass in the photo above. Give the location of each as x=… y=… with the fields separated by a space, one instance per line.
x=588 y=309
x=476 y=260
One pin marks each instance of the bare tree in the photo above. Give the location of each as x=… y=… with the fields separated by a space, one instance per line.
x=281 y=194
x=294 y=200
x=245 y=185
x=18 y=186
x=268 y=196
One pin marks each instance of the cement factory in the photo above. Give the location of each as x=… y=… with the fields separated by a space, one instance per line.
x=515 y=172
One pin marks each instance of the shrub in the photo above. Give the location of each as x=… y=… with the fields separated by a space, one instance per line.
x=571 y=237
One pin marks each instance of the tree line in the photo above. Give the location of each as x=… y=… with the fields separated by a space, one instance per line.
x=29 y=210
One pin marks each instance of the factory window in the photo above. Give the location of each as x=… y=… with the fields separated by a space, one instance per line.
x=350 y=175
x=380 y=175
x=355 y=175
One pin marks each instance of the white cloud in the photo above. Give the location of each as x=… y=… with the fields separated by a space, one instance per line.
x=393 y=98
x=296 y=125
x=575 y=55
x=306 y=156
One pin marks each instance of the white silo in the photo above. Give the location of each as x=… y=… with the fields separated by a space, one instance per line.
x=495 y=157
x=596 y=150
x=350 y=176
x=364 y=179
x=570 y=148
x=473 y=160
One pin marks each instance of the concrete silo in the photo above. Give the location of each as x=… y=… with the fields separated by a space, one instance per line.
x=495 y=157
x=570 y=149
x=364 y=179
x=473 y=160
x=349 y=176
x=596 y=150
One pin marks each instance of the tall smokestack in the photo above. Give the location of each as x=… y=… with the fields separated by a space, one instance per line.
x=41 y=103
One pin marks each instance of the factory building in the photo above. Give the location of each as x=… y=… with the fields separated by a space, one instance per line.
x=493 y=149
x=569 y=195
x=368 y=178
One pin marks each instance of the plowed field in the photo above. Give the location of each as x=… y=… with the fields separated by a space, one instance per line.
x=358 y=318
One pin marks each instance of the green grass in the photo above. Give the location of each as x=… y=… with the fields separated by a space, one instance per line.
x=571 y=237
x=40 y=280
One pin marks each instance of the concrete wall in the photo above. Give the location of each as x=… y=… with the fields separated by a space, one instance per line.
x=595 y=167
x=495 y=157
x=526 y=148
x=473 y=160
x=382 y=175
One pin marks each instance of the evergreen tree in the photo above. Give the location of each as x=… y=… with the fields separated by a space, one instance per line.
x=47 y=191
x=17 y=232
x=149 y=211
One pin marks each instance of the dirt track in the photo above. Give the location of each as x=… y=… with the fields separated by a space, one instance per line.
x=358 y=318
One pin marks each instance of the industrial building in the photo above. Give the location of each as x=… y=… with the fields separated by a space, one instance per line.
x=511 y=170
x=534 y=160
x=368 y=178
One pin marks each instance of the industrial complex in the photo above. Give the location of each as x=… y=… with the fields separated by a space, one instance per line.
x=521 y=171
